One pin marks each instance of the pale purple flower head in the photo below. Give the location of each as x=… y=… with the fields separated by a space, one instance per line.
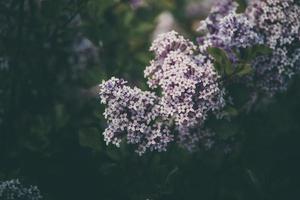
x=279 y=23
x=190 y=85
x=133 y=115
x=219 y=10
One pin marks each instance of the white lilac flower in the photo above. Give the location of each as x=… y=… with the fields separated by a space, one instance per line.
x=14 y=190
x=134 y=115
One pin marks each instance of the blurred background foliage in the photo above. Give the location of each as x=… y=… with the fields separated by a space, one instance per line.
x=54 y=53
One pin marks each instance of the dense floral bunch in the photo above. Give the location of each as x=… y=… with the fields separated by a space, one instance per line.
x=14 y=190
x=221 y=9
x=133 y=114
x=273 y=23
x=191 y=86
x=188 y=80
x=190 y=89
x=189 y=83
x=279 y=24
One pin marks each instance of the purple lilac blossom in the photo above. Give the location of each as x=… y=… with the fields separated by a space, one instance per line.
x=190 y=85
x=191 y=89
x=218 y=11
x=279 y=23
x=134 y=115
x=231 y=30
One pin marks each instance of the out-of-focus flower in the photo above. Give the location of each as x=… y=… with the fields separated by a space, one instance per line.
x=165 y=24
x=194 y=138
x=135 y=4
x=4 y=63
x=14 y=190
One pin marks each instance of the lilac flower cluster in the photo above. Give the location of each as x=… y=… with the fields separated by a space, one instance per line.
x=14 y=190
x=190 y=90
x=189 y=83
x=279 y=23
x=273 y=23
x=219 y=10
x=236 y=31
x=230 y=29
x=277 y=20
x=133 y=114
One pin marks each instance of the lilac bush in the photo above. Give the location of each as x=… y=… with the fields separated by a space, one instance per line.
x=192 y=81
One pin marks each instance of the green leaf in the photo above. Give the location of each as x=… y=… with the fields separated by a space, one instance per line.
x=261 y=49
x=217 y=53
x=242 y=6
x=144 y=27
x=128 y=18
x=248 y=54
x=222 y=63
x=244 y=69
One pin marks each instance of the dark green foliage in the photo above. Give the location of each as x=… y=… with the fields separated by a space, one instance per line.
x=51 y=123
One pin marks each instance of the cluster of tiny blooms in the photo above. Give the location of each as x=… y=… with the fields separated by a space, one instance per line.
x=231 y=30
x=220 y=9
x=190 y=89
x=133 y=114
x=279 y=23
x=189 y=83
x=14 y=190
x=273 y=23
